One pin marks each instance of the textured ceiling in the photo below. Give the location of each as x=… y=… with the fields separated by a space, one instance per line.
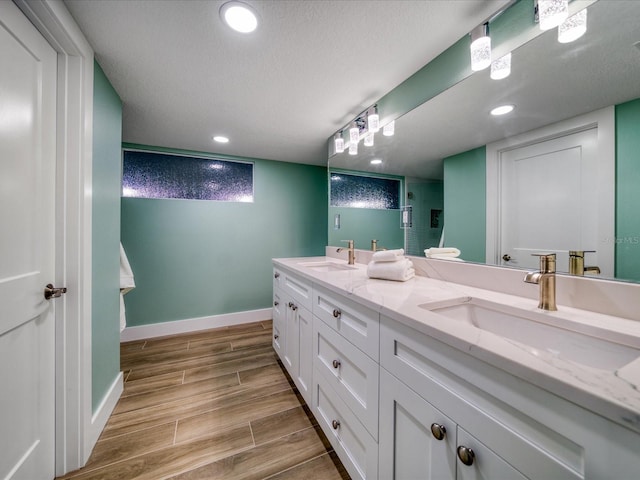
x=278 y=94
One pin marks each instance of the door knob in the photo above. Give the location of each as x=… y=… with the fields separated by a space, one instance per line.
x=52 y=292
x=506 y=257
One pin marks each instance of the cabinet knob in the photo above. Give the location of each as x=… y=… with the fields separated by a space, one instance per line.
x=294 y=307
x=336 y=363
x=276 y=336
x=276 y=275
x=275 y=304
x=466 y=455
x=335 y=424
x=438 y=431
x=336 y=313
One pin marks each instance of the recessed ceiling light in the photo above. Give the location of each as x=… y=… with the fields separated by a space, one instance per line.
x=502 y=110
x=220 y=139
x=239 y=16
x=376 y=161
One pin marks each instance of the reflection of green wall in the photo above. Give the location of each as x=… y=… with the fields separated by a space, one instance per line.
x=465 y=204
x=197 y=258
x=628 y=190
x=105 y=258
x=365 y=224
x=426 y=196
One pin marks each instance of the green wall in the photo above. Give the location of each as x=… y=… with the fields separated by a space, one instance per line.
x=105 y=300
x=426 y=195
x=365 y=224
x=628 y=190
x=195 y=258
x=465 y=204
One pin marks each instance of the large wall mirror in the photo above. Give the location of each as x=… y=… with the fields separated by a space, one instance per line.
x=559 y=173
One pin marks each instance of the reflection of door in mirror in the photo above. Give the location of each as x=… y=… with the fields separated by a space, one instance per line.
x=552 y=199
x=426 y=199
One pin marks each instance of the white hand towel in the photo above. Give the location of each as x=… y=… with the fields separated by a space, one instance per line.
x=445 y=257
x=445 y=251
x=127 y=283
x=400 y=271
x=388 y=255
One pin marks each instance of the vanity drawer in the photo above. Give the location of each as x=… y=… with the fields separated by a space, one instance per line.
x=297 y=288
x=360 y=325
x=352 y=374
x=357 y=450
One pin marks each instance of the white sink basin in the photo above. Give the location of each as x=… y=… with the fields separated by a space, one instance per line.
x=326 y=266
x=600 y=348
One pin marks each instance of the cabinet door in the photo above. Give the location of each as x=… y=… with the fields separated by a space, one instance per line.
x=486 y=464
x=305 y=363
x=408 y=448
x=279 y=319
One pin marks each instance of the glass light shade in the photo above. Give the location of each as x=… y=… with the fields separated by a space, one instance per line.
x=552 y=13
x=373 y=123
x=501 y=68
x=573 y=27
x=480 y=53
x=354 y=134
x=368 y=140
x=353 y=148
x=389 y=129
x=338 y=142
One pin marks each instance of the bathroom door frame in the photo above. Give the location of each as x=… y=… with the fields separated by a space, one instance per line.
x=604 y=121
x=77 y=428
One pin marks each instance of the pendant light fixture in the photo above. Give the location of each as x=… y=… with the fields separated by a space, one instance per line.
x=480 y=47
x=354 y=135
x=573 y=27
x=368 y=139
x=389 y=129
x=353 y=148
x=552 y=13
x=338 y=142
x=373 y=120
x=501 y=68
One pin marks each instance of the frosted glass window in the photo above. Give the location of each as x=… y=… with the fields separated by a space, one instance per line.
x=163 y=175
x=364 y=192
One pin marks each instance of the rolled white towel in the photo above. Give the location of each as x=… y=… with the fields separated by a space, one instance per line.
x=388 y=255
x=442 y=252
x=399 y=271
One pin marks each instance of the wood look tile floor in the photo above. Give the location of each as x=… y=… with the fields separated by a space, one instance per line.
x=210 y=405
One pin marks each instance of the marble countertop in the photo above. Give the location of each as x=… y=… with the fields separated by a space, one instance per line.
x=613 y=394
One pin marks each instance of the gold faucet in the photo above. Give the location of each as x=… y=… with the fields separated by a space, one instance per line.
x=351 y=250
x=546 y=278
x=374 y=246
x=576 y=263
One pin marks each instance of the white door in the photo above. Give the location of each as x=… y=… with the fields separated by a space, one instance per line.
x=27 y=176
x=549 y=201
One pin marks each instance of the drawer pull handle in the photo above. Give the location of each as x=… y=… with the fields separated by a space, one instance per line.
x=336 y=313
x=276 y=336
x=275 y=304
x=276 y=275
x=335 y=424
x=336 y=363
x=466 y=455
x=438 y=431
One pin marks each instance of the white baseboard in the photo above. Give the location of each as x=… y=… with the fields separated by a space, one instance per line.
x=193 y=324
x=102 y=414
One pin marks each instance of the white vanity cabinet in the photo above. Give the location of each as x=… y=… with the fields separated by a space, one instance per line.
x=346 y=376
x=292 y=327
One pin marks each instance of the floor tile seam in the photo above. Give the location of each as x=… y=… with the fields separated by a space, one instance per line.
x=168 y=362
x=296 y=465
x=148 y=427
x=160 y=389
x=285 y=435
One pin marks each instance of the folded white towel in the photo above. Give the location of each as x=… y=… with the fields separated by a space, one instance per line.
x=445 y=257
x=388 y=255
x=443 y=251
x=400 y=271
x=127 y=283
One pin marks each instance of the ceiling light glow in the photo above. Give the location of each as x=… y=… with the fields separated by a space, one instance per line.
x=239 y=16
x=376 y=161
x=220 y=139
x=502 y=110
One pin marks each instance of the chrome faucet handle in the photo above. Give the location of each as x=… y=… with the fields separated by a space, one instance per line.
x=547 y=262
